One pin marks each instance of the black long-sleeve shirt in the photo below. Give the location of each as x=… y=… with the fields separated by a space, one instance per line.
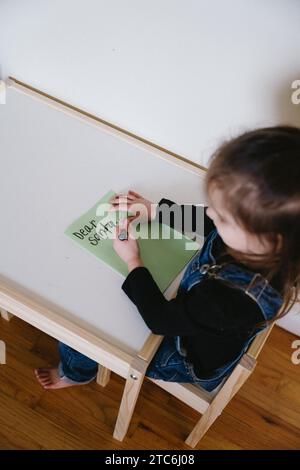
x=213 y=319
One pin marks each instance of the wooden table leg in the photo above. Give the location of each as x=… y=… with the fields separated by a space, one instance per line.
x=2 y=352
x=130 y=395
x=5 y=315
x=103 y=376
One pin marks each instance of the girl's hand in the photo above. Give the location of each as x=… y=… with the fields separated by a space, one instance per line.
x=124 y=202
x=128 y=249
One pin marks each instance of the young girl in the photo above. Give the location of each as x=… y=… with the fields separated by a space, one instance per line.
x=246 y=274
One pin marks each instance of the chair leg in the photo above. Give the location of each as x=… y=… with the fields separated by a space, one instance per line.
x=5 y=315
x=131 y=392
x=2 y=352
x=103 y=376
x=223 y=397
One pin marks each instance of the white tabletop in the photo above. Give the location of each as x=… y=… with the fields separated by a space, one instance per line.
x=53 y=168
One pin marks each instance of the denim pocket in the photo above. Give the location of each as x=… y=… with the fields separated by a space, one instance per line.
x=169 y=359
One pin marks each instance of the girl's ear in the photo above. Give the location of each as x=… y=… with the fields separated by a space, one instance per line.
x=279 y=242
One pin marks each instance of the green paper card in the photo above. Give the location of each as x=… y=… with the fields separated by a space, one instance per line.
x=164 y=257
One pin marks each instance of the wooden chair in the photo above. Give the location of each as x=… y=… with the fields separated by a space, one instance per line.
x=209 y=404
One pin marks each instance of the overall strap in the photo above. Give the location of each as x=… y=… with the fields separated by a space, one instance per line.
x=252 y=283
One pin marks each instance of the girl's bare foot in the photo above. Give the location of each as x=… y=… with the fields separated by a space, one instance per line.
x=50 y=379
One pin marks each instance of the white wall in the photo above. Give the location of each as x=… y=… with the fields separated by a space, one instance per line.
x=182 y=73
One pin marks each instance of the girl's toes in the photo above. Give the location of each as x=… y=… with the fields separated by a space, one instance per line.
x=49 y=386
x=43 y=374
x=44 y=380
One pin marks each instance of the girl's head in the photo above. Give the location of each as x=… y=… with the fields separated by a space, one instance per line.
x=233 y=233
x=253 y=189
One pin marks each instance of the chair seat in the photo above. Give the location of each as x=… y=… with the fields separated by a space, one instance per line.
x=193 y=395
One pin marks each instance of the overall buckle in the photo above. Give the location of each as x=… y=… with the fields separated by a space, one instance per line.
x=210 y=269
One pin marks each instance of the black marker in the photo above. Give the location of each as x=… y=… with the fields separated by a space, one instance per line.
x=123 y=235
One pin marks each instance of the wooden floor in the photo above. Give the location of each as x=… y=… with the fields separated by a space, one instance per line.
x=264 y=415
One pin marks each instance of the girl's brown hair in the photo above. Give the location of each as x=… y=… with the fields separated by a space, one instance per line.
x=259 y=174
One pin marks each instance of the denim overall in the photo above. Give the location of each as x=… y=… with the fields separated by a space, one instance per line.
x=170 y=363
